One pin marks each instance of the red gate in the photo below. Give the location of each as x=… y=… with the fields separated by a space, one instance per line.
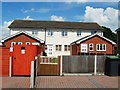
x=22 y=57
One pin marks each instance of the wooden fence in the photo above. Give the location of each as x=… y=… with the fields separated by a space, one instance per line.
x=83 y=64
x=47 y=66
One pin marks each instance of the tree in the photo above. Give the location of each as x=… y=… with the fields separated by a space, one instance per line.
x=107 y=32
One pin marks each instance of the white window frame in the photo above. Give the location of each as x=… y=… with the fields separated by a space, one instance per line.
x=19 y=43
x=59 y=48
x=50 y=33
x=84 y=48
x=35 y=43
x=28 y=43
x=99 y=47
x=12 y=43
x=67 y=47
x=64 y=33
x=78 y=33
x=93 y=32
x=91 y=46
x=34 y=32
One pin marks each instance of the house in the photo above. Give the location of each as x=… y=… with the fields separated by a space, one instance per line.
x=118 y=40
x=58 y=35
x=92 y=44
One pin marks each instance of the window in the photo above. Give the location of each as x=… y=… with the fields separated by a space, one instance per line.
x=27 y=43
x=78 y=33
x=64 y=33
x=83 y=47
x=35 y=32
x=58 y=47
x=19 y=43
x=91 y=47
x=16 y=43
x=66 y=47
x=50 y=33
x=13 y=43
x=93 y=32
x=101 y=47
x=45 y=47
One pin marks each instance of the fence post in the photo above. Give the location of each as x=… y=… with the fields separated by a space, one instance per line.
x=10 y=66
x=32 y=75
x=95 y=65
x=61 y=66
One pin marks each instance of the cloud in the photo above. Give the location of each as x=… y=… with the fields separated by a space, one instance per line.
x=106 y=17
x=57 y=18
x=41 y=10
x=27 y=18
x=5 y=31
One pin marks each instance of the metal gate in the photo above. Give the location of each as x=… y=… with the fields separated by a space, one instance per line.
x=47 y=66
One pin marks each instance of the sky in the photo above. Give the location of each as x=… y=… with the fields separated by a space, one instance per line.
x=104 y=13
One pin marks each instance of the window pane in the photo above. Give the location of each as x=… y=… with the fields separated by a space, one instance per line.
x=97 y=46
x=56 y=47
x=68 y=47
x=59 y=47
x=65 y=47
x=78 y=33
x=64 y=33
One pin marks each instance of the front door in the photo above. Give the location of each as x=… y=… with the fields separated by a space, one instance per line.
x=22 y=57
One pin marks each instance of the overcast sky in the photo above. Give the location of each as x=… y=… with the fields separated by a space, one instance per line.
x=104 y=13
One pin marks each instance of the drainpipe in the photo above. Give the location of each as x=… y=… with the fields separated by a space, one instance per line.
x=45 y=35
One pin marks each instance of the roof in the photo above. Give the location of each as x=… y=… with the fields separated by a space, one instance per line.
x=22 y=32
x=118 y=30
x=54 y=25
x=90 y=36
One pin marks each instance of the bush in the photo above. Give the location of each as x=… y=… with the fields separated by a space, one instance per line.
x=44 y=53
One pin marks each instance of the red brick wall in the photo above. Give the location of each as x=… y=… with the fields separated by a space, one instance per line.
x=95 y=40
x=21 y=38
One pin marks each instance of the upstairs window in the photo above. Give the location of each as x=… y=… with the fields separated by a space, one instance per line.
x=93 y=32
x=101 y=47
x=78 y=33
x=50 y=33
x=58 y=47
x=64 y=33
x=91 y=47
x=35 y=32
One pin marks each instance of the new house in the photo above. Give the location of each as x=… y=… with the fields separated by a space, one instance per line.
x=58 y=35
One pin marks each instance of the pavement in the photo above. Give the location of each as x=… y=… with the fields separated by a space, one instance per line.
x=61 y=82
x=15 y=82
x=76 y=82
